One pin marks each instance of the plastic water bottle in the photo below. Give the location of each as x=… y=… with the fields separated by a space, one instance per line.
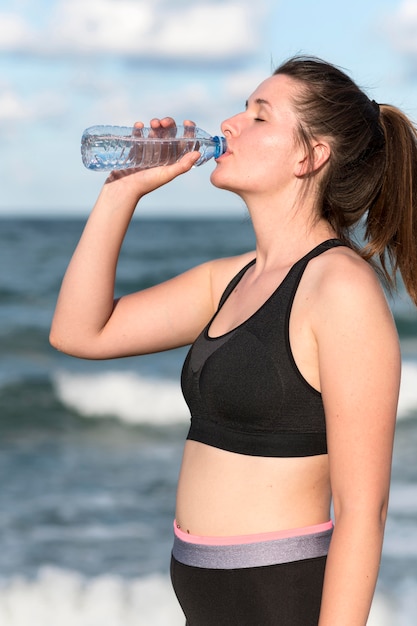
x=106 y=148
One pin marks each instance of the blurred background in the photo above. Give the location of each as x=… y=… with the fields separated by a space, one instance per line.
x=69 y=64
x=90 y=452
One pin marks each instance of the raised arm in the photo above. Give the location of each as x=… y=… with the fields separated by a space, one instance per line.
x=88 y=323
x=359 y=364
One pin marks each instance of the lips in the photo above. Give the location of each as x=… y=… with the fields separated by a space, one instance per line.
x=224 y=155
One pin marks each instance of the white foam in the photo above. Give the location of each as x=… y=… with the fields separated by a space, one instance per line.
x=64 y=598
x=125 y=395
x=400 y=541
x=135 y=399
x=408 y=392
x=397 y=608
x=382 y=612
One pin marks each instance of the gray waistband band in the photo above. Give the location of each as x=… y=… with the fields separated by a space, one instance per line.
x=252 y=554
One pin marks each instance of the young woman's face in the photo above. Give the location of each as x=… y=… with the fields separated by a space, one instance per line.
x=263 y=153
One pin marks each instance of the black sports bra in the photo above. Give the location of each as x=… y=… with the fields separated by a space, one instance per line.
x=244 y=390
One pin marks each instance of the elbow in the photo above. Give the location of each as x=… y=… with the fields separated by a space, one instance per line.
x=370 y=513
x=63 y=344
x=383 y=514
x=54 y=340
x=57 y=336
x=75 y=345
x=57 y=342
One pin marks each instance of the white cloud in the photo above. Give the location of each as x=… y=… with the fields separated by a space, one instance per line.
x=12 y=108
x=402 y=28
x=215 y=31
x=192 y=30
x=91 y=26
x=15 y=33
x=44 y=105
x=207 y=105
x=193 y=99
x=239 y=85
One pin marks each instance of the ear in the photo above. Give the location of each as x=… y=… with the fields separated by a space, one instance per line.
x=320 y=155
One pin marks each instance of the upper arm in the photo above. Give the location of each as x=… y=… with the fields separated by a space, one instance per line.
x=359 y=364
x=165 y=316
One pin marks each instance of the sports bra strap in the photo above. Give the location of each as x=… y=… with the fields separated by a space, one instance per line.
x=322 y=247
x=233 y=283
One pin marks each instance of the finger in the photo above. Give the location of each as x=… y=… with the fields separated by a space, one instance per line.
x=184 y=164
x=169 y=127
x=164 y=127
x=167 y=122
x=153 y=178
x=154 y=126
x=138 y=129
x=189 y=128
x=190 y=158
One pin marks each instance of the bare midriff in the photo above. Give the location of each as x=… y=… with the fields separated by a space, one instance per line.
x=222 y=493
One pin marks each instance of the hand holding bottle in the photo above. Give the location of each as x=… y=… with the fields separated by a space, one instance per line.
x=105 y=148
x=87 y=317
x=155 y=146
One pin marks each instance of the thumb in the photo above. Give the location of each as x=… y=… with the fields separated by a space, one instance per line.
x=188 y=160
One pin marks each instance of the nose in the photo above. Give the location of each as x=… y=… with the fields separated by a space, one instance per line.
x=229 y=126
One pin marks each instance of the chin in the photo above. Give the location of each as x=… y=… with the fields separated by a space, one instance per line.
x=219 y=181
x=225 y=185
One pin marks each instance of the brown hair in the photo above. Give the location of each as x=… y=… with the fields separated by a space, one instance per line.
x=371 y=175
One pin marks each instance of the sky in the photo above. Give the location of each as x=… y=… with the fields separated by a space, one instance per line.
x=69 y=64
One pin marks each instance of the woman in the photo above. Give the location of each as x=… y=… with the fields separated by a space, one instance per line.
x=293 y=377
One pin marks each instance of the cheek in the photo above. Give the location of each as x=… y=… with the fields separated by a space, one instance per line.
x=260 y=162
x=278 y=148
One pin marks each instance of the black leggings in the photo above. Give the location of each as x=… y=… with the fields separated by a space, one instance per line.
x=272 y=579
x=288 y=594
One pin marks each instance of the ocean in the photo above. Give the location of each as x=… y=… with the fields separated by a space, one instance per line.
x=90 y=451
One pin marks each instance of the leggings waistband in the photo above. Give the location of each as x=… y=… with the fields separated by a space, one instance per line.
x=264 y=549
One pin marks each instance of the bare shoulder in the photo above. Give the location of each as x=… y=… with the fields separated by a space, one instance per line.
x=225 y=269
x=340 y=277
x=348 y=302
x=340 y=261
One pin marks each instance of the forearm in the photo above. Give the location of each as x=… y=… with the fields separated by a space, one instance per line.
x=85 y=308
x=351 y=570
x=86 y=299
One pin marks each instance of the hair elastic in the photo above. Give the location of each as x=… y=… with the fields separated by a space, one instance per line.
x=375 y=107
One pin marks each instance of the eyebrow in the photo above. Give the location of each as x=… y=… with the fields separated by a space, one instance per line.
x=260 y=101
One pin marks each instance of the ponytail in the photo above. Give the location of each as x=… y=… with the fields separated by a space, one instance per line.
x=391 y=225
x=371 y=175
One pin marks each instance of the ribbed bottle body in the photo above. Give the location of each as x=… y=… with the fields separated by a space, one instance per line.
x=106 y=148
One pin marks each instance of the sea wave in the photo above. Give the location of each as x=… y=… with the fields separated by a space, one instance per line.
x=63 y=597
x=66 y=598
x=127 y=396
x=407 y=405
x=403 y=500
x=133 y=398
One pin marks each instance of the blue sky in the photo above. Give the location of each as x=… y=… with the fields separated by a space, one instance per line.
x=69 y=64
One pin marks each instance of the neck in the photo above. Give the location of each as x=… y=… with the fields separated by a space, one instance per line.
x=284 y=235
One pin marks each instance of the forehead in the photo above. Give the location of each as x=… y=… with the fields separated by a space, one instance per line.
x=276 y=91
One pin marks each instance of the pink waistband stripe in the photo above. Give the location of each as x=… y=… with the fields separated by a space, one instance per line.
x=255 y=538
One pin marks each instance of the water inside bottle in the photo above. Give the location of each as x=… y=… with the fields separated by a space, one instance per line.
x=135 y=152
